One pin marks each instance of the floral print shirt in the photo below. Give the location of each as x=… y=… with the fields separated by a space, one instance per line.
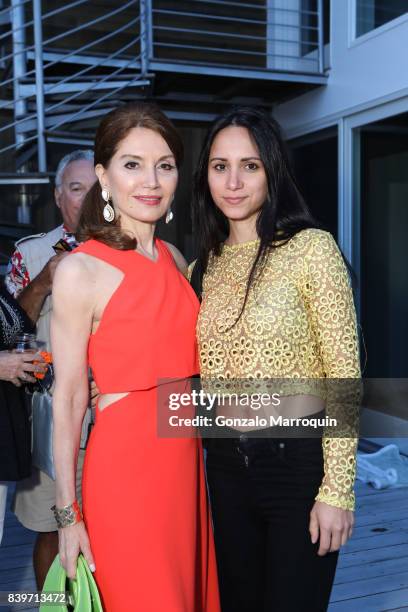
x=17 y=277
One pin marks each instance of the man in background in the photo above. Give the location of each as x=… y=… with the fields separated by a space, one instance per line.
x=29 y=279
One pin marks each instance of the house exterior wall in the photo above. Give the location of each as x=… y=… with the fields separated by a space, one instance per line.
x=365 y=72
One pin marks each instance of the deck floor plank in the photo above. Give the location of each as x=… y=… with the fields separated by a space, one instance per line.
x=379 y=602
x=370 y=570
x=370 y=586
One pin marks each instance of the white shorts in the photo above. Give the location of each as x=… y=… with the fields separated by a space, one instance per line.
x=35 y=496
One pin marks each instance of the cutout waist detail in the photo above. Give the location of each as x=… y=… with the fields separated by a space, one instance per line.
x=107 y=399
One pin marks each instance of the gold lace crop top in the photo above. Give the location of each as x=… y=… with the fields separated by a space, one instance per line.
x=299 y=322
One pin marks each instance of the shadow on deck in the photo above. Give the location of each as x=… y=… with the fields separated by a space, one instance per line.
x=372 y=574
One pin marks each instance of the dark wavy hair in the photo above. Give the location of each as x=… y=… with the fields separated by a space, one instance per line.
x=282 y=215
x=113 y=128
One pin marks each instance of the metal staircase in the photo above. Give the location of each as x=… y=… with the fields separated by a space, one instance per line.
x=64 y=63
x=62 y=67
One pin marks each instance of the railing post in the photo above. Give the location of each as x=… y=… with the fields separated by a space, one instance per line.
x=39 y=82
x=320 y=37
x=19 y=62
x=20 y=106
x=149 y=13
x=146 y=34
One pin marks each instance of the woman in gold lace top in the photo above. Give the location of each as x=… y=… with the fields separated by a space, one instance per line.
x=276 y=304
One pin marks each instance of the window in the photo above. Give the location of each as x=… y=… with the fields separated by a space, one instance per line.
x=384 y=246
x=372 y=14
x=315 y=162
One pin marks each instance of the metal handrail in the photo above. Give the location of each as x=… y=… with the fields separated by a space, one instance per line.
x=239 y=51
x=228 y=35
x=98 y=82
x=71 y=54
x=229 y=3
x=88 y=68
x=61 y=9
x=223 y=3
x=7 y=9
x=73 y=96
x=87 y=24
x=108 y=95
x=13 y=146
x=74 y=30
x=44 y=16
x=231 y=18
x=210 y=17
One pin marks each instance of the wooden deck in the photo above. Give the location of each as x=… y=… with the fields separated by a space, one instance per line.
x=372 y=575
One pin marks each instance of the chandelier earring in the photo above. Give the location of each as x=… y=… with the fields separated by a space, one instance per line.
x=108 y=211
x=170 y=214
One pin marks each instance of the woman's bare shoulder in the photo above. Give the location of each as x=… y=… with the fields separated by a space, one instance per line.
x=74 y=274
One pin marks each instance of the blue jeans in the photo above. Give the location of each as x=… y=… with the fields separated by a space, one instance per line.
x=262 y=492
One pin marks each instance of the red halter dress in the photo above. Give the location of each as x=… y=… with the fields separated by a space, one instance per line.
x=144 y=496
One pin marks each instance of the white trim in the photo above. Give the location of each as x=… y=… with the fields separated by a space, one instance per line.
x=359 y=40
x=231 y=71
x=379 y=112
x=327 y=61
x=346 y=204
x=385 y=106
x=340 y=189
x=353 y=203
x=352 y=22
x=313 y=126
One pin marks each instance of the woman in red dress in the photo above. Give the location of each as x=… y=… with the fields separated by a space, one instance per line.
x=123 y=307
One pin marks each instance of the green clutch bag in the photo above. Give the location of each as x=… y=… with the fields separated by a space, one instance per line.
x=82 y=592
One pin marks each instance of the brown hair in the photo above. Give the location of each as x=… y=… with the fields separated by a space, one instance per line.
x=113 y=128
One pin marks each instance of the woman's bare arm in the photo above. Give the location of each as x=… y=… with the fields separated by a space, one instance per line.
x=71 y=326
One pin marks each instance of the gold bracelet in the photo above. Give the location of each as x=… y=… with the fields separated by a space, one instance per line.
x=69 y=515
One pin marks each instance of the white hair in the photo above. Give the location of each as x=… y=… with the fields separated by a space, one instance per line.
x=76 y=155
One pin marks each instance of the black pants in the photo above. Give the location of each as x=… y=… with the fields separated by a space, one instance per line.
x=262 y=491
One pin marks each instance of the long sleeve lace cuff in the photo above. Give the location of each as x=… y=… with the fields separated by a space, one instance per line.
x=340 y=469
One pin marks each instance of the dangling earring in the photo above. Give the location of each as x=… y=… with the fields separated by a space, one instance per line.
x=108 y=211
x=169 y=215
